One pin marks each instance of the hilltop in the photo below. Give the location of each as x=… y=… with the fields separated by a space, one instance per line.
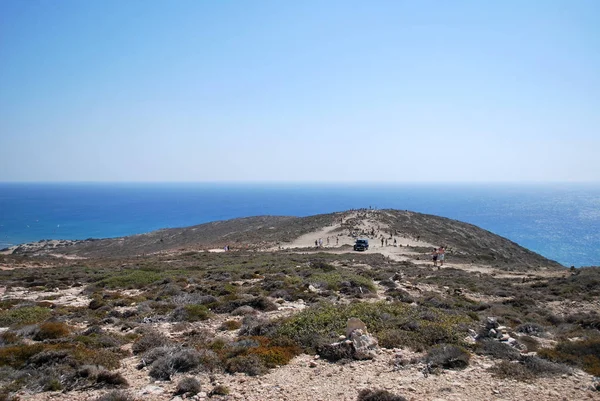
x=466 y=242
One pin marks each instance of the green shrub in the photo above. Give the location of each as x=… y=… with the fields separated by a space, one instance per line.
x=131 y=279
x=23 y=315
x=323 y=323
x=197 y=312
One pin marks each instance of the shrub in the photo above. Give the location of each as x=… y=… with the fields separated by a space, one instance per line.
x=116 y=396
x=51 y=330
x=378 y=395
x=252 y=365
x=498 y=350
x=584 y=354
x=530 y=342
x=324 y=322
x=336 y=352
x=16 y=356
x=196 y=312
x=23 y=315
x=219 y=390
x=448 y=356
x=182 y=360
x=111 y=378
x=131 y=279
x=230 y=325
x=189 y=386
x=511 y=370
x=243 y=310
x=532 y=329
x=147 y=341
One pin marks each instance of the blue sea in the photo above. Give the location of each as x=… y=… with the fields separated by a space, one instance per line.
x=559 y=221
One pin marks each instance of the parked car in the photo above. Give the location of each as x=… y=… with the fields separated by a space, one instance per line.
x=361 y=245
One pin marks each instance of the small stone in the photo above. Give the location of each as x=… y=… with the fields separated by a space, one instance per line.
x=312 y=364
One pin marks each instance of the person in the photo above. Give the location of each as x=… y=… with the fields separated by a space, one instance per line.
x=441 y=255
x=320 y=242
x=327 y=241
x=337 y=241
x=316 y=244
x=434 y=256
x=395 y=242
x=382 y=242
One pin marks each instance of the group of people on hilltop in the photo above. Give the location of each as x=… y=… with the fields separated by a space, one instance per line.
x=438 y=255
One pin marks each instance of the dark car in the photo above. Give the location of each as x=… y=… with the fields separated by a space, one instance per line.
x=361 y=245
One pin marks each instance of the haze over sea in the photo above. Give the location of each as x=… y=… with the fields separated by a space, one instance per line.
x=559 y=221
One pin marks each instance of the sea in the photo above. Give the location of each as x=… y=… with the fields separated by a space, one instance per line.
x=558 y=221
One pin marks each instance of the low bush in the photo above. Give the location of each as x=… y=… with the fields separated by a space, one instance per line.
x=497 y=349
x=111 y=378
x=188 y=386
x=175 y=361
x=448 y=356
x=583 y=354
x=23 y=315
x=323 y=323
x=252 y=365
x=149 y=340
x=378 y=395
x=116 y=396
x=219 y=390
x=130 y=279
x=511 y=370
x=190 y=313
x=230 y=325
x=531 y=329
x=51 y=331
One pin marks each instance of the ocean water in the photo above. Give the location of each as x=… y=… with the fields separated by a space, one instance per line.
x=559 y=221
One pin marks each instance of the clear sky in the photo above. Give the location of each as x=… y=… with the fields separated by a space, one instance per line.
x=143 y=90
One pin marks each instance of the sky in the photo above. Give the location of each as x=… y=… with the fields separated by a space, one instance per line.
x=296 y=91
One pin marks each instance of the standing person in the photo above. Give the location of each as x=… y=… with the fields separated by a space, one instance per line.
x=395 y=243
x=434 y=256
x=441 y=255
x=320 y=242
x=327 y=241
x=337 y=241
x=316 y=244
x=382 y=242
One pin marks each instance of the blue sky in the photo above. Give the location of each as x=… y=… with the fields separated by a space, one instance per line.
x=406 y=91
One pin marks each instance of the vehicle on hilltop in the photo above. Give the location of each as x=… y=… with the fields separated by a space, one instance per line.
x=361 y=245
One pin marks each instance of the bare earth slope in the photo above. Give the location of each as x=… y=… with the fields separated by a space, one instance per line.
x=466 y=241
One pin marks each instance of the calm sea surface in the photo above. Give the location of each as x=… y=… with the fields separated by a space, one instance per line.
x=561 y=222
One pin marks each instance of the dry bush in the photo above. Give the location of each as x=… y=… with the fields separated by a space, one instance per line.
x=252 y=365
x=497 y=349
x=51 y=331
x=116 y=396
x=148 y=341
x=189 y=386
x=230 y=325
x=175 y=361
x=448 y=356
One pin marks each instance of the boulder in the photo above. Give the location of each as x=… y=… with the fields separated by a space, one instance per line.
x=365 y=345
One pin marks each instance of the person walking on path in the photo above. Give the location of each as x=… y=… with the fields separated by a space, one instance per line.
x=441 y=255
x=320 y=242
x=382 y=242
x=434 y=256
